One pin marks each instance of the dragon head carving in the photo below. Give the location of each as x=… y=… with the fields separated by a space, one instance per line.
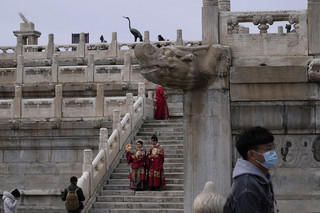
x=183 y=67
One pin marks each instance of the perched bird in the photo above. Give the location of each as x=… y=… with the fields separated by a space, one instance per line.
x=134 y=32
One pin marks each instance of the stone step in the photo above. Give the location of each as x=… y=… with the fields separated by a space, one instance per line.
x=127 y=181
x=136 y=211
x=165 y=166
x=138 y=205
x=128 y=192
x=120 y=198
x=168 y=187
x=161 y=134
x=166 y=170
x=167 y=159
x=172 y=175
x=176 y=129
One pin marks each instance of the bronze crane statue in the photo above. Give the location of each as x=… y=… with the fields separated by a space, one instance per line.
x=134 y=32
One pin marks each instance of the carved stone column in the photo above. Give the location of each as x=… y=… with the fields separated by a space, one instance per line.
x=114 y=46
x=20 y=69
x=90 y=67
x=202 y=72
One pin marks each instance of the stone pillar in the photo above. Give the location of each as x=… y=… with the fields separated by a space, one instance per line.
x=103 y=144
x=58 y=102
x=114 y=46
x=150 y=95
x=224 y=5
x=19 y=48
x=146 y=37
x=54 y=68
x=116 y=120
x=129 y=103
x=313 y=27
x=179 y=41
x=87 y=166
x=81 y=46
x=210 y=22
x=126 y=71
x=17 y=102
x=50 y=48
x=141 y=89
x=280 y=29
x=207 y=142
x=20 y=68
x=90 y=67
x=100 y=100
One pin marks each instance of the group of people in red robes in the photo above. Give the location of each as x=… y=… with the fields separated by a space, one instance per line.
x=146 y=167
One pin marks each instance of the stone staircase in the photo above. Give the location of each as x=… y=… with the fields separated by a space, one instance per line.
x=116 y=196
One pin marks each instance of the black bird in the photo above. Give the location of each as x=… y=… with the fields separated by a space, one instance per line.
x=134 y=32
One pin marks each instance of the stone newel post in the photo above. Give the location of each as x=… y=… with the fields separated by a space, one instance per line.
x=210 y=22
x=90 y=67
x=146 y=37
x=129 y=103
x=54 y=68
x=116 y=120
x=20 y=69
x=58 y=102
x=87 y=166
x=103 y=144
x=100 y=100
x=50 y=48
x=81 y=46
x=114 y=46
x=126 y=71
x=17 y=102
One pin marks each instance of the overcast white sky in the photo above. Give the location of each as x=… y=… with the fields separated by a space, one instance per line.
x=102 y=17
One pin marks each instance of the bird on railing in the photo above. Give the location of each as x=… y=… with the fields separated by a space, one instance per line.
x=134 y=31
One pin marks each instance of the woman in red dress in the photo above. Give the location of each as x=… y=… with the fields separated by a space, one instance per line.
x=155 y=159
x=162 y=111
x=137 y=158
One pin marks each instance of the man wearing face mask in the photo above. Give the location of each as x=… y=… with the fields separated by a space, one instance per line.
x=252 y=189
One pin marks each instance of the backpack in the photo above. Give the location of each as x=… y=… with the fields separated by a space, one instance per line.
x=72 y=201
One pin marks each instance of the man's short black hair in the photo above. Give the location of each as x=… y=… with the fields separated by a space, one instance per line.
x=251 y=138
x=73 y=179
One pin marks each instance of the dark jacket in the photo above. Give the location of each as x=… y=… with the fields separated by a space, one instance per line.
x=251 y=190
x=80 y=194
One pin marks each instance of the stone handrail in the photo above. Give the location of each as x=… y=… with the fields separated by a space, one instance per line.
x=244 y=43
x=96 y=170
x=60 y=107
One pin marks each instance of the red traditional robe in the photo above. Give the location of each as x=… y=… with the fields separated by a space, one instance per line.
x=155 y=165
x=137 y=176
x=162 y=111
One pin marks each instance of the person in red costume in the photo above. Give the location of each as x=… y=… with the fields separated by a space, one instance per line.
x=155 y=159
x=162 y=111
x=137 y=159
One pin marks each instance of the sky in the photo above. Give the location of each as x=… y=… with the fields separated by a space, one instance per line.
x=102 y=17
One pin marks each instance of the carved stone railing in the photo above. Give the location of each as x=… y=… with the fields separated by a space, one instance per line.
x=114 y=49
x=233 y=34
x=96 y=170
x=60 y=107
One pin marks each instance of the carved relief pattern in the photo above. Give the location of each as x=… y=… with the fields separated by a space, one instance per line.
x=14 y=124
x=79 y=103
x=5 y=105
x=7 y=72
x=76 y=70
x=34 y=104
x=39 y=71
x=110 y=70
x=298 y=153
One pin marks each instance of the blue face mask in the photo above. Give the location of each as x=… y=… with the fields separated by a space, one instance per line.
x=270 y=159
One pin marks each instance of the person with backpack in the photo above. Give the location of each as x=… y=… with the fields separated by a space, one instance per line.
x=73 y=195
